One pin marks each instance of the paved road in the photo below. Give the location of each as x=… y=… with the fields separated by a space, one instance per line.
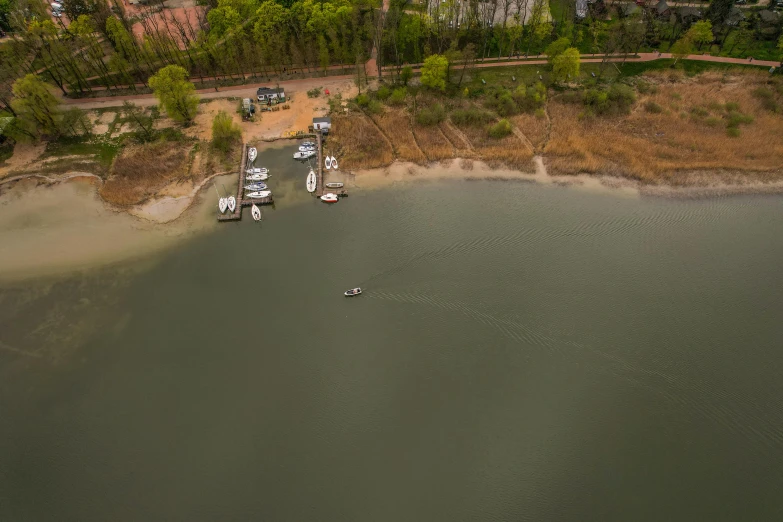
x=249 y=91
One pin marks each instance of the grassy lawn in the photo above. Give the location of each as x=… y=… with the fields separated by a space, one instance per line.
x=101 y=151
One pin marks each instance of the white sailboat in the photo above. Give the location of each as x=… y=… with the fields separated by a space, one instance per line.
x=256 y=212
x=259 y=194
x=256 y=186
x=257 y=177
x=328 y=162
x=232 y=203
x=251 y=154
x=257 y=170
x=311 y=181
x=222 y=202
x=334 y=163
x=304 y=155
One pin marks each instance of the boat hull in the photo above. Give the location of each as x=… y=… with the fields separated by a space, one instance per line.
x=259 y=194
x=311 y=182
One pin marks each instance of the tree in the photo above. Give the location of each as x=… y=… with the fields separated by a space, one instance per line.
x=701 y=33
x=37 y=110
x=175 y=93
x=566 y=64
x=597 y=30
x=5 y=14
x=140 y=122
x=225 y=133
x=406 y=74
x=682 y=48
x=556 y=48
x=434 y=71
x=719 y=10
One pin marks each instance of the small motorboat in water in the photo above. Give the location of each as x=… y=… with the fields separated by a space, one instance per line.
x=256 y=212
x=306 y=148
x=334 y=163
x=257 y=177
x=328 y=162
x=353 y=292
x=232 y=203
x=257 y=170
x=259 y=194
x=329 y=198
x=334 y=184
x=308 y=144
x=311 y=181
x=304 y=155
x=222 y=205
x=256 y=186
x=251 y=154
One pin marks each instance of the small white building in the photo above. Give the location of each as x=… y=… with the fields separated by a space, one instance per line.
x=267 y=95
x=322 y=124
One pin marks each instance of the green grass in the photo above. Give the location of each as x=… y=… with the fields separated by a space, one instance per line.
x=103 y=151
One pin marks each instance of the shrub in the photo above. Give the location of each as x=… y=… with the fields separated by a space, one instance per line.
x=733 y=132
x=735 y=119
x=501 y=129
x=383 y=93
x=398 y=96
x=530 y=98
x=540 y=114
x=314 y=93
x=431 y=115
x=362 y=100
x=225 y=133
x=471 y=117
x=646 y=87
x=731 y=106
x=375 y=107
x=503 y=103
x=653 y=107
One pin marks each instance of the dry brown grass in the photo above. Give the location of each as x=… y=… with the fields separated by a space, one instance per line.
x=678 y=145
x=360 y=143
x=510 y=151
x=535 y=128
x=396 y=125
x=433 y=143
x=142 y=170
x=461 y=144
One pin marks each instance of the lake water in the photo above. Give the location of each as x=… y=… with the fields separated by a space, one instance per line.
x=521 y=352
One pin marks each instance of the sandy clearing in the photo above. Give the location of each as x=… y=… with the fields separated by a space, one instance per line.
x=24 y=154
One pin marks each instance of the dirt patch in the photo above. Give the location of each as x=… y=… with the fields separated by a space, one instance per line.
x=103 y=122
x=143 y=170
x=25 y=154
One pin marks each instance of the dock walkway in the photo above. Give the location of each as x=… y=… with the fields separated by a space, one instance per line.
x=241 y=200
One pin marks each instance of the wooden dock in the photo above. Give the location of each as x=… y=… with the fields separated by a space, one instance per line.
x=241 y=200
x=320 y=187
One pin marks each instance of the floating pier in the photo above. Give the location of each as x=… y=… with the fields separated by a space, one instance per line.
x=241 y=200
x=320 y=187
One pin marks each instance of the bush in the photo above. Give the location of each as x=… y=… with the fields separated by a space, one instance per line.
x=530 y=98
x=617 y=100
x=731 y=106
x=383 y=93
x=540 y=114
x=735 y=119
x=398 y=96
x=375 y=107
x=501 y=129
x=225 y=133
x=314 y=93
x=733 y=132
x=362 y=100
x=503 y=103
x=646 y=88
x=653 y=107
x=471 y=117
x=431 y=115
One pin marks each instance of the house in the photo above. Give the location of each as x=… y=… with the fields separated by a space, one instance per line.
x=266 y=95
x=768 y=22
x=734 y=17
x=689 y=15
x=581 y=9
x=662 y=9
x=322 y=124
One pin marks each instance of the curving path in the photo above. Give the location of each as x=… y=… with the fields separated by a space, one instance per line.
x=249 y=90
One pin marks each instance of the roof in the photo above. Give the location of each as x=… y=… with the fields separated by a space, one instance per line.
x=768 y=16
x=689 y=11
x=581 y=8
x=324 y=119
x=735 y=16
x=661 y=7
x=267 y=90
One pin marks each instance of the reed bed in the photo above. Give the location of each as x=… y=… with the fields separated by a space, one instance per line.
x=360 y=143
x=535 y=128
x=461 y=145
x=509 y=151
x=142 y=170
x=396 y=125
x=676 y=135
x=432 y=142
